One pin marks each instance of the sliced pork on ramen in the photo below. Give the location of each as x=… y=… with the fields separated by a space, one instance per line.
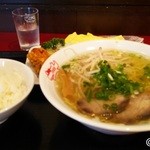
x=109 y=84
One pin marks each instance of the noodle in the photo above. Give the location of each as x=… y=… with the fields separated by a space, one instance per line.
x=84 y=72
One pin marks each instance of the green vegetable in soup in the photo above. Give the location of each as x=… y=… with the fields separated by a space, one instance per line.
x=113 y=82
x=65 y=67
x=147 y=71
x=113 y=107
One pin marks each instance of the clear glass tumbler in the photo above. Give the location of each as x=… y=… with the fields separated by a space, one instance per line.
x=26 y=22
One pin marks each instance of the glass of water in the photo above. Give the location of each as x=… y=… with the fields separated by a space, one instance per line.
x=26 y=22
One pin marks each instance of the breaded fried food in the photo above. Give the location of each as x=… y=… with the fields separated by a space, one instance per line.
x=37 y=57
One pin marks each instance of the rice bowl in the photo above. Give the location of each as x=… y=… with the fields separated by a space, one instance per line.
x=16 y=83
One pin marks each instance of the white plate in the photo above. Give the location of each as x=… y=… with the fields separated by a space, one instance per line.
x=36 y=79
x=130 y=38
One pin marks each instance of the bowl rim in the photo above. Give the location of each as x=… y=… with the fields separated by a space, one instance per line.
x=78 y=117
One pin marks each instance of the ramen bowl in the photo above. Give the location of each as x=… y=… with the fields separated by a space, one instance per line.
x=16 y=83
x=54 y=62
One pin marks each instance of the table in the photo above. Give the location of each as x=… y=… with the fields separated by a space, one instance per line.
x=37 y=125
x=9 y=41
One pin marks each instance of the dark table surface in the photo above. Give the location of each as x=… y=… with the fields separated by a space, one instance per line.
x=37 y=125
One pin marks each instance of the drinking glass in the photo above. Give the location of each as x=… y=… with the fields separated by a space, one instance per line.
x=26 y=20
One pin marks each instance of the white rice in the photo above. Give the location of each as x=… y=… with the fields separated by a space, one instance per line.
x=12 y=87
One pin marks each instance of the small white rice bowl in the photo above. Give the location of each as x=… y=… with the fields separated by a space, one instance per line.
x=48 y=88
x=16 y=83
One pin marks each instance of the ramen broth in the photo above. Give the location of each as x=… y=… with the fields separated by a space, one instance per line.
x=110 y=84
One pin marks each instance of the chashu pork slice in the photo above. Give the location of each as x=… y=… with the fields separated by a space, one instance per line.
x=137 y=109
x=96 y=107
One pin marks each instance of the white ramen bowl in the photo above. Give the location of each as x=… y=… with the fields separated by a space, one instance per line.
x=12 y=68
x=49 y=69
